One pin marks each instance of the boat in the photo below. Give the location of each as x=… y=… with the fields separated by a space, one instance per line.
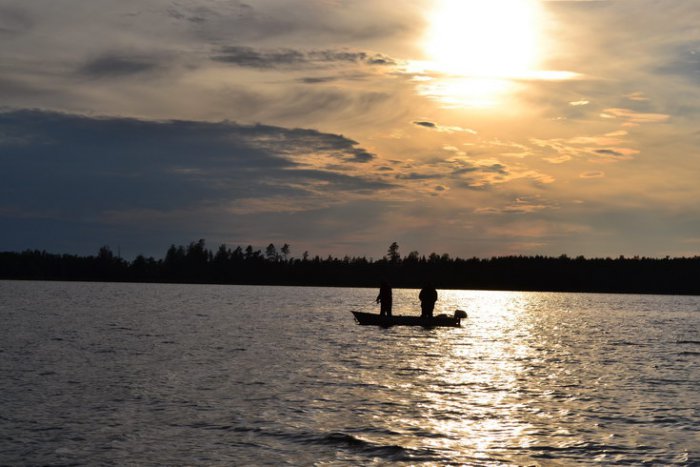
x=373 y=319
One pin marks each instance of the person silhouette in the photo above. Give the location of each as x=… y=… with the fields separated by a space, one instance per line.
x=428 y=296
x=385 y=299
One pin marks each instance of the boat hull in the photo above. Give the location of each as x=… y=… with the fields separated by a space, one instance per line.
x=371 y=319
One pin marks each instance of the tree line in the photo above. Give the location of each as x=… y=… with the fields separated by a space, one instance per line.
x=195 y=263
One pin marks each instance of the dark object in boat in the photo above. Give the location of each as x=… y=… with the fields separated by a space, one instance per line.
x=395 y=320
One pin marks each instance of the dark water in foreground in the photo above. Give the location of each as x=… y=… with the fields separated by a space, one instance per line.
x=117 y=374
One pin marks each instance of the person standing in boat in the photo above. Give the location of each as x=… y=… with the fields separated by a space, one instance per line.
x=428 y=296
x=385 y=299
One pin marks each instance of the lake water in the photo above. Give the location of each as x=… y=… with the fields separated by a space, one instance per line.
x=124 y=374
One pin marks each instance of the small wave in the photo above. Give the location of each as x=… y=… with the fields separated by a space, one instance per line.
x=629 y=343
x=211 y=426
x=351 y=384
x=354 y=443
x=688 y=342
x=586 y=449
x=411 y=370
x=665 y=381
x=392 y=452
x=253 y=383
x=338 y=438
x=686 y=354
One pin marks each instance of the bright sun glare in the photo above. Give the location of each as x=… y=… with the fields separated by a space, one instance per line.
x=482 y=46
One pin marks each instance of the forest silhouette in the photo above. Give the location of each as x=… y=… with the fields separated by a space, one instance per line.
x=195 y=263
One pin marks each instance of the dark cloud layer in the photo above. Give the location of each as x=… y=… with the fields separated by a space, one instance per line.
x=61 y=168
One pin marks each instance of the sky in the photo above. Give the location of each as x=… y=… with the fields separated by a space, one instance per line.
x=467 y=127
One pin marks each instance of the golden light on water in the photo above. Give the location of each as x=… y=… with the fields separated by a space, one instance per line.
x=488 y=376
x=478 y=51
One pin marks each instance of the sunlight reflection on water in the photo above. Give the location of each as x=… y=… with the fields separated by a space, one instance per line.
x=530 y=378
x=484 y=377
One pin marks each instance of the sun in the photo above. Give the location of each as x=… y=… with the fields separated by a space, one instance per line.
x=480 y=47
x=485 y=38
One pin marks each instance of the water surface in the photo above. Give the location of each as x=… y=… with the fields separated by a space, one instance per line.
x=114 y=374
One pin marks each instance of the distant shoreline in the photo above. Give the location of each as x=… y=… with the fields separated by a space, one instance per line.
x=197 y=265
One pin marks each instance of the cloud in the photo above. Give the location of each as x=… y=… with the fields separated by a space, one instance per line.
x=419 y=176
x=608 y=152
x=637 y=97
x=443 y=129
x=425 y=124
x=250 y=57
x=592 y=174
x=633 y=117
x=610 y=145
x=117 y=65
x=484 y=173
x=495 y=168
x=71 y=166
x=284 y=22
x=318 y=79
x=521 y=205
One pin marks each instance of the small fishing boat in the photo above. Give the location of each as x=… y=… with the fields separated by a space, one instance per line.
x=372 y=319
